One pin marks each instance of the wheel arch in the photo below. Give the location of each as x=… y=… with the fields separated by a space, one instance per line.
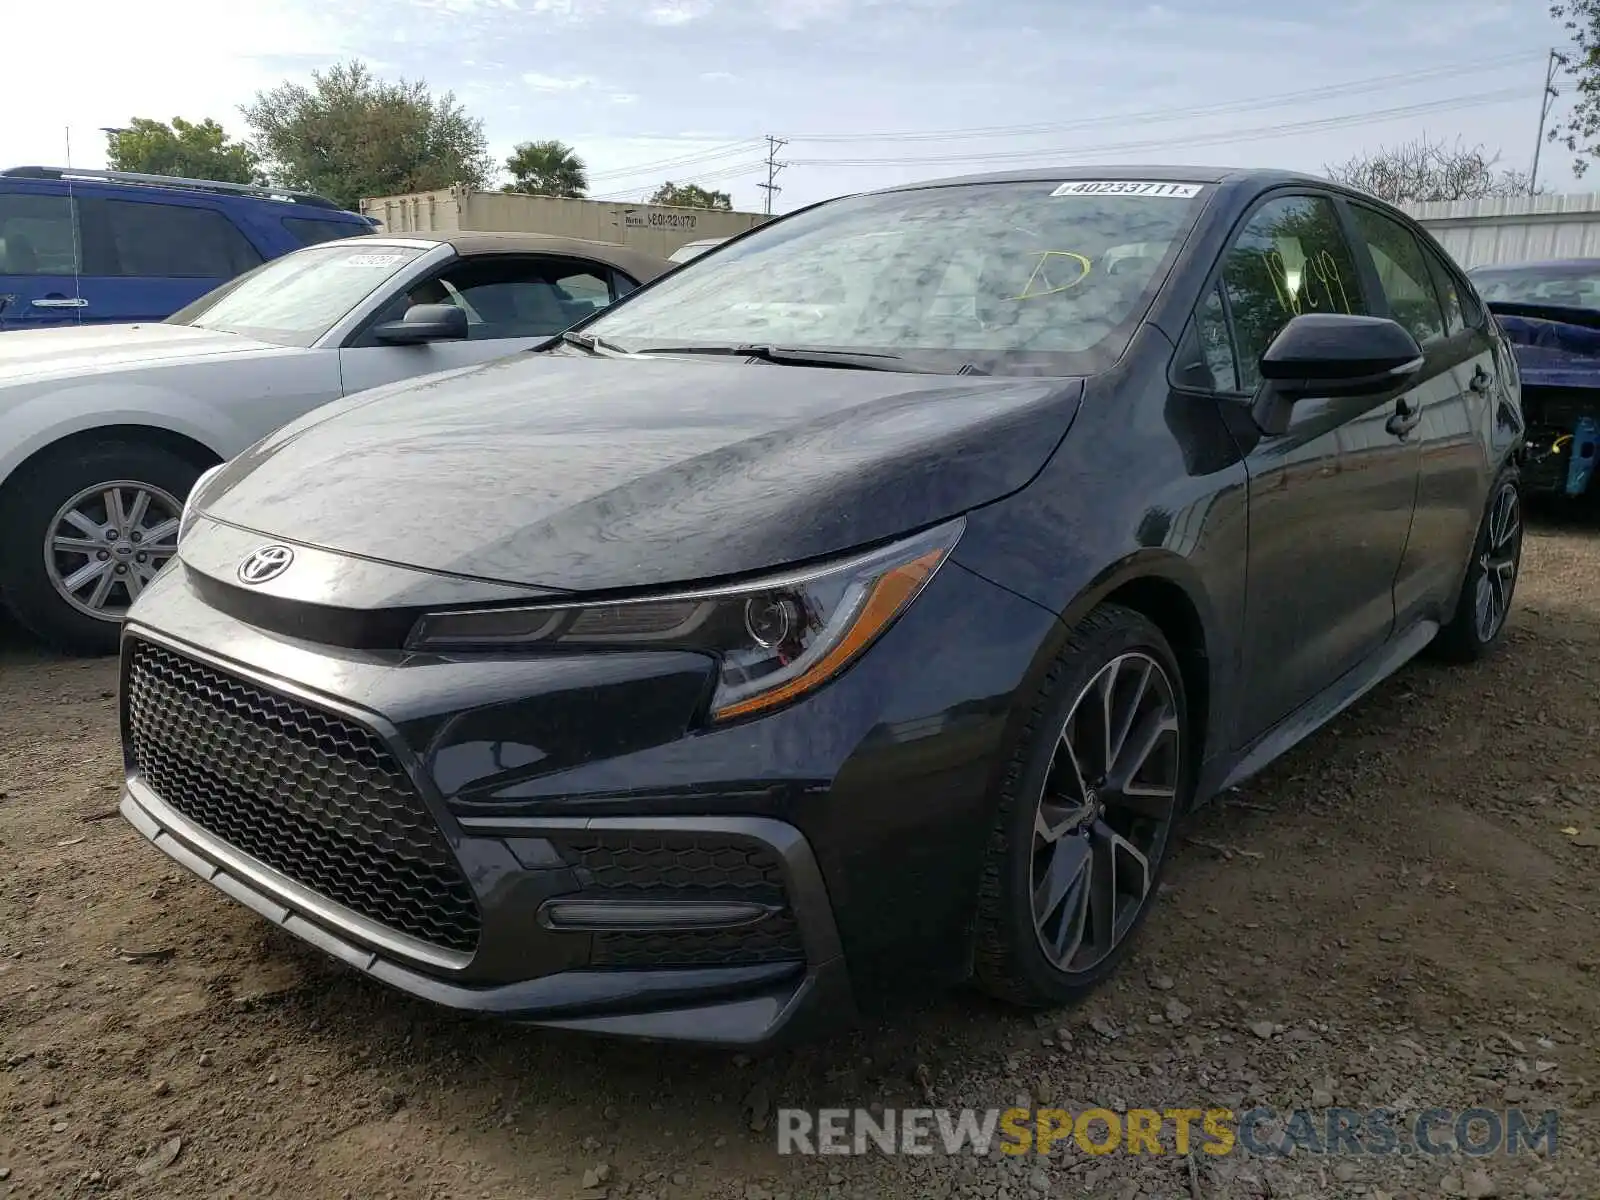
x=1166 y=590
x=173 y=441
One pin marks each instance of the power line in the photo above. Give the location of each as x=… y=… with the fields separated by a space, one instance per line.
x=714 y=176
x=1282 y=99
x=685 y=160
x=1257 y=133
x=774 y=144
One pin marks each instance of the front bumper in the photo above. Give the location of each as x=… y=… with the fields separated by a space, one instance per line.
x=486 y=796
x=752 y=1005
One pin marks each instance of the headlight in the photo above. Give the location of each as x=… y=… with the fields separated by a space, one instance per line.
x=774 y=639
x=186 y=518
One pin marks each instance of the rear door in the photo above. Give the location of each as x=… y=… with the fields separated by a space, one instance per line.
x=143 y=260
x=1451 y=485
x=39 y=283
x=512 y=302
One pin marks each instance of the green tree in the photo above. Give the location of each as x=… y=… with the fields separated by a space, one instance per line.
x=193 y=151
x=351 y=135
x=1580 y=131
x=690 y=195
x=548 y=168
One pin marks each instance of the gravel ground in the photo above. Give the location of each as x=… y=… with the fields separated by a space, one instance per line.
x=1400 y=914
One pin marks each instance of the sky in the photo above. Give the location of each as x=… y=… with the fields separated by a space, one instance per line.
x=867 y=92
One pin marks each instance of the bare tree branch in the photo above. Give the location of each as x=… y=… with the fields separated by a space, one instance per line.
x=1426 y=169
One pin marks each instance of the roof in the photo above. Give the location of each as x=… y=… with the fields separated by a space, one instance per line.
x=1549 y=264
x=177 y=183
x=643 y=267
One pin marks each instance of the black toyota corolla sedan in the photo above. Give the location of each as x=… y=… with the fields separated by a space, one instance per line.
x=852 y=611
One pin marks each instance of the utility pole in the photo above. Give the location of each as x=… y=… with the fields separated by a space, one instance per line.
x=1545 y=102
x=774 y=144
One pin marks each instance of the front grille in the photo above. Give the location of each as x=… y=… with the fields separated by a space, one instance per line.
x=684 y=867
x=309 y=793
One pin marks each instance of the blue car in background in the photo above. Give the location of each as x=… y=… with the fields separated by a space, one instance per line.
x=102 y=247
x=1550 y=312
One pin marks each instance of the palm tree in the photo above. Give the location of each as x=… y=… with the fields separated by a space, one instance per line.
x=548 y=168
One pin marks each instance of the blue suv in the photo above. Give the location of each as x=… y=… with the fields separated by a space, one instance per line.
x=97 y=247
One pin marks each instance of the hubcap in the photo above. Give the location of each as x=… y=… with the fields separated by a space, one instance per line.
x=1497 y=564
x=1103 y=817
x=107 y=542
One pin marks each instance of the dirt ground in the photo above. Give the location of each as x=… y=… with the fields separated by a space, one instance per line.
x=1404 y=913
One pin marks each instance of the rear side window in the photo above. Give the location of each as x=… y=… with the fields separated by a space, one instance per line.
x=131 y=238
x=36 y=235
x=1449 y=294
x=309 y=231
x=1403 y=273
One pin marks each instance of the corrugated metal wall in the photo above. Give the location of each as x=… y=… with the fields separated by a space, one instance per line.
x=1512 y=229
x=654 y=228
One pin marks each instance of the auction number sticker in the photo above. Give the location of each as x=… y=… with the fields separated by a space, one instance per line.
x=374 y=260
x=1128 y=187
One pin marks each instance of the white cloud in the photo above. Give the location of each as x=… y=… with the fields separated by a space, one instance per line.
x=718 y=77
x=623 y=98
x=677 y=12
x=556 y=83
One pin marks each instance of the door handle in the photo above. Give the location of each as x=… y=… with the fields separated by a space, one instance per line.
x=61 y=302
x=1481 y=380
x=1404 y=419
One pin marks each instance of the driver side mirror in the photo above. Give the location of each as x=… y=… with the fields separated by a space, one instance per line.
x=1332 y=355
x=424 y=323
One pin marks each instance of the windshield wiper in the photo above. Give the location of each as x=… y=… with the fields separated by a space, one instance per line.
x=802 y=356
x=594 y=345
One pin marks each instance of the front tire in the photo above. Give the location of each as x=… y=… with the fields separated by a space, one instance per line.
x=1085 y=814
x=81 y=534
x=1490 y=582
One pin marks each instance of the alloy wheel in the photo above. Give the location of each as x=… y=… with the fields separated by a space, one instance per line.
x=107 y=542
x=1107 y=806
x=1497 y=564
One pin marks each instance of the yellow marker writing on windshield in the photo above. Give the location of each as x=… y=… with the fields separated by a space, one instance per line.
x=1039 y=269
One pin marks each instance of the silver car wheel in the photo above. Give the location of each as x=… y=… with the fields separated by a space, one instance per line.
x=105 y=544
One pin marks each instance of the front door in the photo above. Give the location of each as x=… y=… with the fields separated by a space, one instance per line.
x=1331 y=499
x=512 y=302
x=39 y=267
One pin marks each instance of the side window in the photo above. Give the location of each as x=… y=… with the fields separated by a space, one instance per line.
x=1403 y=274
x=1444 y=283
x=1205 y=355
x=1290 y=258
x=134 y=239
x=37 y=236
x=310 y=231
x=506 y=296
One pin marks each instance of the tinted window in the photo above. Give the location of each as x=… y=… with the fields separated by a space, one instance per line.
x=1444 y=283
x=1205 y=359
x=1010 y=277
x=162 y=241
x=507 y=296
x=36 y=235
x=1290 y=258
x=1402 y=273
x=310 y=231
x=296 y=299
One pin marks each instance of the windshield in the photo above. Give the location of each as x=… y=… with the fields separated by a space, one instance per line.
x=294 y=300
x=1574 y=284
x=1011 y=278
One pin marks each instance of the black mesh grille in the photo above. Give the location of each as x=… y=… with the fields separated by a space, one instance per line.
x=690 y=866
x=309 y=793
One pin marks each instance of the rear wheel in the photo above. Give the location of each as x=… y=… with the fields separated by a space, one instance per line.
x=1085 y=815
x=81 y=534
x=1490 y=582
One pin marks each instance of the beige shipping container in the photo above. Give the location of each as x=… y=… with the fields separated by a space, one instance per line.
x=654 y=228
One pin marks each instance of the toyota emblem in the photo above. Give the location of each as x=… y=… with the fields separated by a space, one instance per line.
x=266 y=563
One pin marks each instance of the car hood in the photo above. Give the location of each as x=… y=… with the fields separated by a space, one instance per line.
x=575 y=473
x=88 y=349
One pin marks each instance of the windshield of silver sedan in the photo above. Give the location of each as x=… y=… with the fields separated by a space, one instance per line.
x=1004 y=278
x=294 y=300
